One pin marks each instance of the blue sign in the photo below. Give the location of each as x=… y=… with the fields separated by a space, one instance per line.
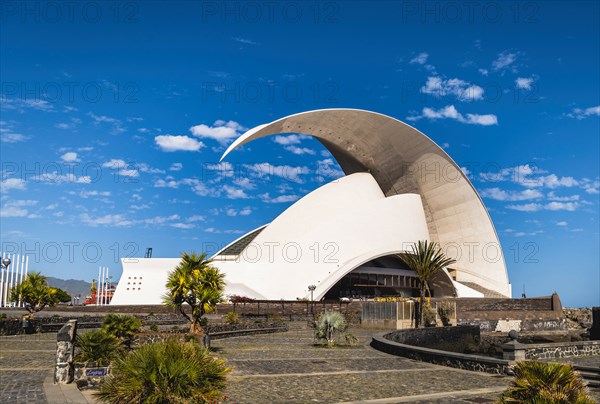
x=96 y=372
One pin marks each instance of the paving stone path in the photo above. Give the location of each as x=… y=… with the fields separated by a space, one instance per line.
x=288 y=368
x=25 y=361
x=284 y=368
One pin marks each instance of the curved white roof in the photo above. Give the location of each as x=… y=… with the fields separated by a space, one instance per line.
x=403 y=160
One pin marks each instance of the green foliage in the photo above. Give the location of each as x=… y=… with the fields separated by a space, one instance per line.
x=62 y=296
x=165 y=372
x=97 y=346
x=426 y=259
x=231 y=317
x=195 y=282
x=446 y=311
x=153 y=327
x=546 y=383
x=332 y=325
x=122 y=326
x=34 y=292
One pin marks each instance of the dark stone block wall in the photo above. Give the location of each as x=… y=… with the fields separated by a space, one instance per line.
x=455 y=339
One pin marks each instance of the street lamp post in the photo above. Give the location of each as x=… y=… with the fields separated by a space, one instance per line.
x=312 y=305
x=5 y=263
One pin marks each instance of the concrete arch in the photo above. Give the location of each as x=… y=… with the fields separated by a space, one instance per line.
x=402 y=160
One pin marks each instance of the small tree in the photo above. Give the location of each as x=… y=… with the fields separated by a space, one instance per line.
x=62 y=296
x=539 y=382
x=426 y=259
x=332 y=325
x=122 y=326
x=196 y=283
x=34 y=293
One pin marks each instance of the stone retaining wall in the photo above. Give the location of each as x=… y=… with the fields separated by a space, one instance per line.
x=444 y=358
x=562 y=350
x=456 y=339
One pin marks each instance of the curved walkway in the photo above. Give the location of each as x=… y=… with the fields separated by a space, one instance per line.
x=287 y=368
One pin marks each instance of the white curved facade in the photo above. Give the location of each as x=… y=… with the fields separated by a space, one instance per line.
x=400 y=187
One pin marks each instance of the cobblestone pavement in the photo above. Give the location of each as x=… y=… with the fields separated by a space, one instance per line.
x=25 y=361
x=288 y=368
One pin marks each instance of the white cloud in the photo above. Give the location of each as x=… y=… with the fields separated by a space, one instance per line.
x=245 y=41
x=196 y=218
x=70 y=157
x=554 y=206
x=129 y=173
x=300 y=150
x=483 y=72
x=524 y=82
x=579 y=113
x=562 y=223
x=246 y=211
x=13 y=211
x=553 y=197
x=267 y=170
x=221 y=131
x=525 y=175
x=528 y=207
x=287 y=140
x=8 y=137
x=106 y=220
x=502 y=195
x=420 y=59
x=461 y=89
x=182 y=225
x=87 y=194
x=12 y=183
x=450 y=112
x=231 y=212
x=279 y=199
x=171 y=143
x=116 y=164
x=234 y=193
x=117 y=126
x=176 y=167
x=504 y=60
x=145 y=168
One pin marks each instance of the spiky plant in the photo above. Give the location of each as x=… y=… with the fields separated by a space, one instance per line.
x=122 y=326
x=332 y=325
x=97 y=346
x=544 y=383
x=196 y=283
x=165 y=372
x=426 y=259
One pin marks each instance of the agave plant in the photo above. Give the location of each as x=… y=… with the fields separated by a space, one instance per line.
x=332 y=325
x=545 y=383
x=97 y=346
x=165 y=372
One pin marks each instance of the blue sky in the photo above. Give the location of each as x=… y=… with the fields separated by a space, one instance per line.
x=114 y=116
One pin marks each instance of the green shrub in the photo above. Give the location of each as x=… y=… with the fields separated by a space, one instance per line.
x=165 y=372
x=122 y=326
x=546 y=383
x=231 y=317
x=153 y=327
x=331 y=326
x=97 y=346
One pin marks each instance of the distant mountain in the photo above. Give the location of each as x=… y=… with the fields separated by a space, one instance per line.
x=73 y=287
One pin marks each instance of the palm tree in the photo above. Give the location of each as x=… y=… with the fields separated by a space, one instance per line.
x=97 y=346
x=34 y=293
x=122 y=326
x=539 y=382
x=165 y=372
x=426 y=259
x=195 y=282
